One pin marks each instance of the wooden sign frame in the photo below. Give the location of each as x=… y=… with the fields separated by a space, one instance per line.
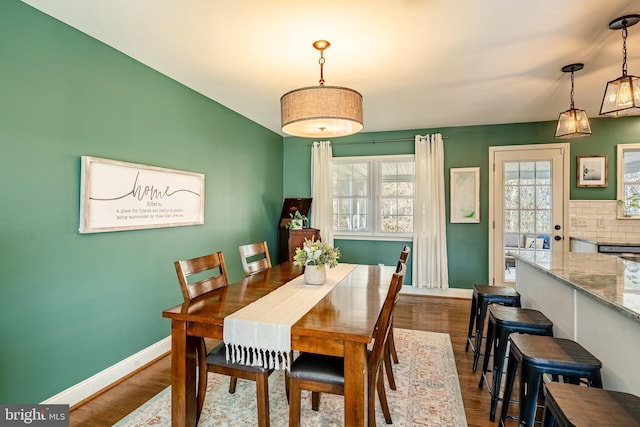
x=117 y=196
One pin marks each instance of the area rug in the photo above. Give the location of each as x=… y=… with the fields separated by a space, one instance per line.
x=427 y=395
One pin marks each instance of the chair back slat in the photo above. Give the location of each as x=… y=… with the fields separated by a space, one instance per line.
x=253 y=250
x=213 y=269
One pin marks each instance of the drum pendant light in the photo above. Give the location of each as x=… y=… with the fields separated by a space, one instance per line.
x=622 y=95
x=321 y=111
x=573 y=123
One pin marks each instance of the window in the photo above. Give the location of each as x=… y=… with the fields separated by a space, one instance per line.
x=628 y=191
x=373 y=195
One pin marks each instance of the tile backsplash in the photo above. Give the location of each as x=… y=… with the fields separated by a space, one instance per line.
x=596 y=220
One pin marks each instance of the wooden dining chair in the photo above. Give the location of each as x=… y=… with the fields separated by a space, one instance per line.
x=255 y=258
x=325 y=374
x=391 y=353
x=211 y=276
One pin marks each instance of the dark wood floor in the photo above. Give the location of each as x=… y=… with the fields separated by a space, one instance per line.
x=448 y=315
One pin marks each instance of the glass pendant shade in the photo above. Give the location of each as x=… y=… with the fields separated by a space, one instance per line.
x=321 y=111
x=573 y=123
x=621 y=97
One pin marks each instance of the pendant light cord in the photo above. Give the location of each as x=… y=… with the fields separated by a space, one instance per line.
x=624 y=48
x=572 y=103
x=321 y=62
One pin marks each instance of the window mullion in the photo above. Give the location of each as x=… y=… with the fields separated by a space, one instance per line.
x=376 y=209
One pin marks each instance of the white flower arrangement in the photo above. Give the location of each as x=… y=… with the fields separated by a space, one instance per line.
x=315 y=252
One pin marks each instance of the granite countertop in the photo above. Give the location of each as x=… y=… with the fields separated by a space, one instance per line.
x=607 y=242
x=609 y=279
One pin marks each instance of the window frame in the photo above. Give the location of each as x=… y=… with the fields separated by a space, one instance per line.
x=374 y=198
x=627 y=200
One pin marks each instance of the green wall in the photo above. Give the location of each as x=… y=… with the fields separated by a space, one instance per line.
x=607 y=134
x=72 y=304
x=463 y=147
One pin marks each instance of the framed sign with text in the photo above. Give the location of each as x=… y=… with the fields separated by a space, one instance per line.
x=117 y=196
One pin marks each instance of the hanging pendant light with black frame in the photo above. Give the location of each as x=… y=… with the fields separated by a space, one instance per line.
x=321 y=111
x=622 y=95
x=573 y=123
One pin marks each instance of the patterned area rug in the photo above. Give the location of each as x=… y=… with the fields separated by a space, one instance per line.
x=428 y=394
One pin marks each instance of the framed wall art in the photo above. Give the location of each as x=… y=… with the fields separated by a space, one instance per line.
x=591 y=171
x=116 y=196
x=465 y=195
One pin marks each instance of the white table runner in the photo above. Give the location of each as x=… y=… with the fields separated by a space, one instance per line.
x=260 y=333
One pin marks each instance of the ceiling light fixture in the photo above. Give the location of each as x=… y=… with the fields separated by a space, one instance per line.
x=622 y=95
x=321 y=111
x=573 y=123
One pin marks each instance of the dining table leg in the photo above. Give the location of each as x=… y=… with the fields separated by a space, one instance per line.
x=183 y=376
x=355 y=384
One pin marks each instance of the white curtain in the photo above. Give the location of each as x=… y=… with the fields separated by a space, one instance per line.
x=430 y=239
x=321 y=207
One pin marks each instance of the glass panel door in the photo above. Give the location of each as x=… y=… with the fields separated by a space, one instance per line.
x=528 y=209
x=527 y=213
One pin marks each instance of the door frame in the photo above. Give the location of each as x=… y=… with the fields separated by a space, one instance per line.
x=565 y=146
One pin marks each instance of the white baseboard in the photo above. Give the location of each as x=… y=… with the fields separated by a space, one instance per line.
x=449 y=292
x=102 y=379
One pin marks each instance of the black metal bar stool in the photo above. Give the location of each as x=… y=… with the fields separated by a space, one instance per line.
x=538 y=355
x=503 y=321
x=483 y=295
x=568 y=405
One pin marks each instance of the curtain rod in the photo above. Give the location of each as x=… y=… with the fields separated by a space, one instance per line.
x=377 y=141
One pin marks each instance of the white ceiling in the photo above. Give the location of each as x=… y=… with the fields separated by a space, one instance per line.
x=418 y=63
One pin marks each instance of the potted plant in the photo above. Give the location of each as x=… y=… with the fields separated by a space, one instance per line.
x=315 y=255
x=297 y=221
x=630 y=205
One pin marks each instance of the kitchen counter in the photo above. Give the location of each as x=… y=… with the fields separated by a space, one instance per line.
x=616 y=242
x=593 y=299
x=610 y=280
x=580 y=244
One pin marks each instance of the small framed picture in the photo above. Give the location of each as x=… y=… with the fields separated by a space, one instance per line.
x=465 y=195
x=591 y=171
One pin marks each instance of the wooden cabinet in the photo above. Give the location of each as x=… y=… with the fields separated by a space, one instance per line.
x=292 y=239
x=289 y=240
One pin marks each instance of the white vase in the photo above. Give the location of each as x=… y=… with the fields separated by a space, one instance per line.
x=315 y=276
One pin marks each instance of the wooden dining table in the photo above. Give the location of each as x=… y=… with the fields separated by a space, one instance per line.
x=341 y=324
